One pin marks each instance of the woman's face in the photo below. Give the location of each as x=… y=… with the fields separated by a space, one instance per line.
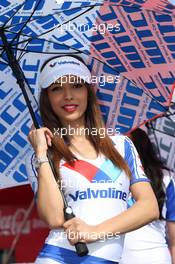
x=68 y=100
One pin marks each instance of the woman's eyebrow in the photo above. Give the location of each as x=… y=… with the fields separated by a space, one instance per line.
x=57 y=83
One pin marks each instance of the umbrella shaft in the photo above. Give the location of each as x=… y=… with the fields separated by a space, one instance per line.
x=17 y=71
x=18 y=75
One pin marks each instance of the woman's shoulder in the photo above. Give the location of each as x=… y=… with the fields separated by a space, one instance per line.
x=121 y=143
x=119 y=139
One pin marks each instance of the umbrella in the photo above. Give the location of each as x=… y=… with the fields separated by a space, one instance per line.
x=162 y=134
x=136 y=48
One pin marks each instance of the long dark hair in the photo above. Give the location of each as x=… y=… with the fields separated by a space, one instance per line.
x=93 y=119
x=153 y=166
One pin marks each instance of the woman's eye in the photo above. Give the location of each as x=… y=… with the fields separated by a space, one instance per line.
x=56 y=88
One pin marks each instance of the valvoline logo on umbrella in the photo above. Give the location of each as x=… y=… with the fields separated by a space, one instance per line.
x=106 y=173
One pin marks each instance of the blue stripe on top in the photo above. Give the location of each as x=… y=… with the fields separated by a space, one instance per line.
x=170 y=201
x=132 y=158
x=66 y=256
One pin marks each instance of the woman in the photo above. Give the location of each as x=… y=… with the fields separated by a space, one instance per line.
x=147 y=245
x=94 y=176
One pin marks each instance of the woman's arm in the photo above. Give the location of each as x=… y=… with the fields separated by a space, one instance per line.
x=49 y=199
x=145 y=210
x=171 y=239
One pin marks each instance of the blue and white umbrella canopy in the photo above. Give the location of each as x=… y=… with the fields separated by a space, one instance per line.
x=132 y=41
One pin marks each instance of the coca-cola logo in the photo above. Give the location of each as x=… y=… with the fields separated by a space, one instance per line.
x=11 y=224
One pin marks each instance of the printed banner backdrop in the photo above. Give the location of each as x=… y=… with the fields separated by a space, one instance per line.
x=27 y=248
x=136 y=51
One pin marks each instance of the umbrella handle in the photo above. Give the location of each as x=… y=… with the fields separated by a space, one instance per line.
x=81 y=248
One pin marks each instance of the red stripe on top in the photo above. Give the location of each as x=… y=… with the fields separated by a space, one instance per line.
x=83 y=167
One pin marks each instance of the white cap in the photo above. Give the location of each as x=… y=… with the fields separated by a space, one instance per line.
x=61 y=66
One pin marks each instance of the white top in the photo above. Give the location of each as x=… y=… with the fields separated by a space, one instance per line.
x=148 y=244
x=97 y=190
